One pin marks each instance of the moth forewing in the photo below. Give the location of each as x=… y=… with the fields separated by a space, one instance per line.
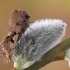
x=18 y=24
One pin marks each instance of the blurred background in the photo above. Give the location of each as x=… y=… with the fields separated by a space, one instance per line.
x=37 y=9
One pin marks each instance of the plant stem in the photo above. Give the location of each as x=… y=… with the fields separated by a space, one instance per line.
x=56 y=53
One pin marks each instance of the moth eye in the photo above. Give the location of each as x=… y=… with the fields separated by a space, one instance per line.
x=17 y=23
x=27 y=16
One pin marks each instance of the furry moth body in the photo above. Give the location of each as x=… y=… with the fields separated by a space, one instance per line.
x=19 y=21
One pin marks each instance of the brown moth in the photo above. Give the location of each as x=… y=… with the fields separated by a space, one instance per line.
x=19 y=21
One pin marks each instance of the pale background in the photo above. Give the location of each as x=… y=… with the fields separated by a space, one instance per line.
x=38 y=9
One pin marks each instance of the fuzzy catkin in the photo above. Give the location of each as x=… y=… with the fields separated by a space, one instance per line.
x=43 y=36
x=67 y=56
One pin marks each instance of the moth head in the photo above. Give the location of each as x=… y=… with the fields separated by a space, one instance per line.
x=20 y=17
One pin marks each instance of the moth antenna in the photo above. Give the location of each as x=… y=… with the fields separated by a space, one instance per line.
x=30 y=28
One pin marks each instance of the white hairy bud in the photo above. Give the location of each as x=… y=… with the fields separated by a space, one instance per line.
x=38 y=39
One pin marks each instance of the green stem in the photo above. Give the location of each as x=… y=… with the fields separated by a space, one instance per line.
x=56 y=53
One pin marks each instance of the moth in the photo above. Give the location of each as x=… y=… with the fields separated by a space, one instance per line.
x=19 y=21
